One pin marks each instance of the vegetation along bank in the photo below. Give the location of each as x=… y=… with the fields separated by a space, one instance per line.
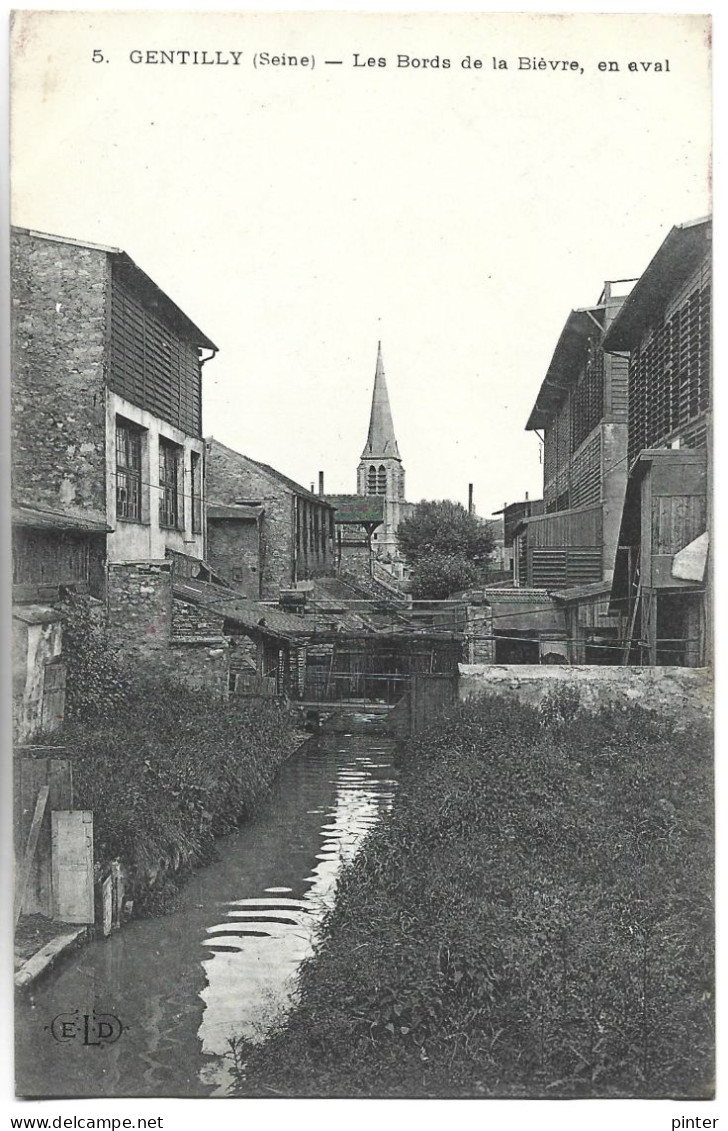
x=165 y=769
x=535 y=918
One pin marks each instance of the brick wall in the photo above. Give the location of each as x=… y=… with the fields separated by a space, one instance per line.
x=59 y=297
x=190 y=622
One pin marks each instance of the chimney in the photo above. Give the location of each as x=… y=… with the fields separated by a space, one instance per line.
x=470 y=498
x=526 y=496
x=321 y=482
x=312 y=488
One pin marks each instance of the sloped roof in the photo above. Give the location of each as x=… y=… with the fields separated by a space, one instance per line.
x=42 y=519
x=565 y=366
x=137 y=278
x=249 y=614
x=272 y=472
x=679 y=254
x=36 y=614
x=290 y=483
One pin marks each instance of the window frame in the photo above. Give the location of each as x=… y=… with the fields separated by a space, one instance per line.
x=126 y=473
x=171 y=513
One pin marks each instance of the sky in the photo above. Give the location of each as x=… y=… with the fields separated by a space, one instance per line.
x=298 y=215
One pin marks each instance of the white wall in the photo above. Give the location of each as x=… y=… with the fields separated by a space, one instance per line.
x=139 y=541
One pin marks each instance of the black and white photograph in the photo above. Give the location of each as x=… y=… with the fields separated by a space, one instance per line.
x=362 y=630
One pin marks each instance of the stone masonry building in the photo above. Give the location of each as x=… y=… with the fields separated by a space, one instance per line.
x=266 y=532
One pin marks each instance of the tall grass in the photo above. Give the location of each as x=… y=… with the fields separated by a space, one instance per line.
x=534 y=919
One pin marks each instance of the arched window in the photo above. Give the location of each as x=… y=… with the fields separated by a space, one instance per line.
x=372 y=481
x=382 y=480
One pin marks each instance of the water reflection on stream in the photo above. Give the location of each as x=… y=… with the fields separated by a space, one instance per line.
x=225 y=962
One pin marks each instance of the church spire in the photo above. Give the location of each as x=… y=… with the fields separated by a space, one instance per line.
x=381 y=441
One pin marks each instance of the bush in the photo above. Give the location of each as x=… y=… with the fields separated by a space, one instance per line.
x=535 y=918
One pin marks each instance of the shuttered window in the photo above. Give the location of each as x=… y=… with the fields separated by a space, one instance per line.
x=151 y=365
x=669 y=376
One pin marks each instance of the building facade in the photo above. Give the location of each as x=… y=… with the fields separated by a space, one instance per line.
x=581 y=413
x=294 y=527
x=660 y=582
x=107 y=400
x=107 y=447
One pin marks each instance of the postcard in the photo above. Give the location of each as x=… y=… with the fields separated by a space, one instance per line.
x=362 y=624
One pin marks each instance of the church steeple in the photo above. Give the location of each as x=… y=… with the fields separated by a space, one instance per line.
x=381 y=441
x=380 y=471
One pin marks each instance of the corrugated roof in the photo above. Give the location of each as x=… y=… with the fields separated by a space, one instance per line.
x=357 y=508
x=56 y=520
x=680 y=253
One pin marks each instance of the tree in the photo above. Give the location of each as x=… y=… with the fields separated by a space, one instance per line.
x=436 y=577
x=447 y=547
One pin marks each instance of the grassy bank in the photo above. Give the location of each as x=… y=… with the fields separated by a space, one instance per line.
x=534 y=919
x=164 y=768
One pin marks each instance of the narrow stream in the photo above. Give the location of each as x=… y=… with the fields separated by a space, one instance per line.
x=224 y=963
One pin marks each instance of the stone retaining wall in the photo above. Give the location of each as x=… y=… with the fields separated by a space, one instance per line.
x=684 y=691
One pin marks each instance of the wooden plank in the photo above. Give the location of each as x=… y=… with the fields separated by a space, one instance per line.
x=34 y=775
x=22 y=883
x=73 y=866
x=54 y=695
x=60 y=784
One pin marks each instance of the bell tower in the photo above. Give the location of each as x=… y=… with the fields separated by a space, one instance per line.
x=380 y=471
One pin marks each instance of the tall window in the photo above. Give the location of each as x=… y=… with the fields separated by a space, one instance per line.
x=169 y=511
x=382 y=480
x=128 y=471
x=372 y=481
x=196 y=492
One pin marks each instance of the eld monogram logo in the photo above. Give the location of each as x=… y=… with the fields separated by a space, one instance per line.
x=89 y=1028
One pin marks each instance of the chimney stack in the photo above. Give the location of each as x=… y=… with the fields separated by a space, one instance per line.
x=321 y=482
x=470 y=498
x=526 y=496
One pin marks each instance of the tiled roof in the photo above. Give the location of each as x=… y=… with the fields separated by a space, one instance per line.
x=249 y=614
